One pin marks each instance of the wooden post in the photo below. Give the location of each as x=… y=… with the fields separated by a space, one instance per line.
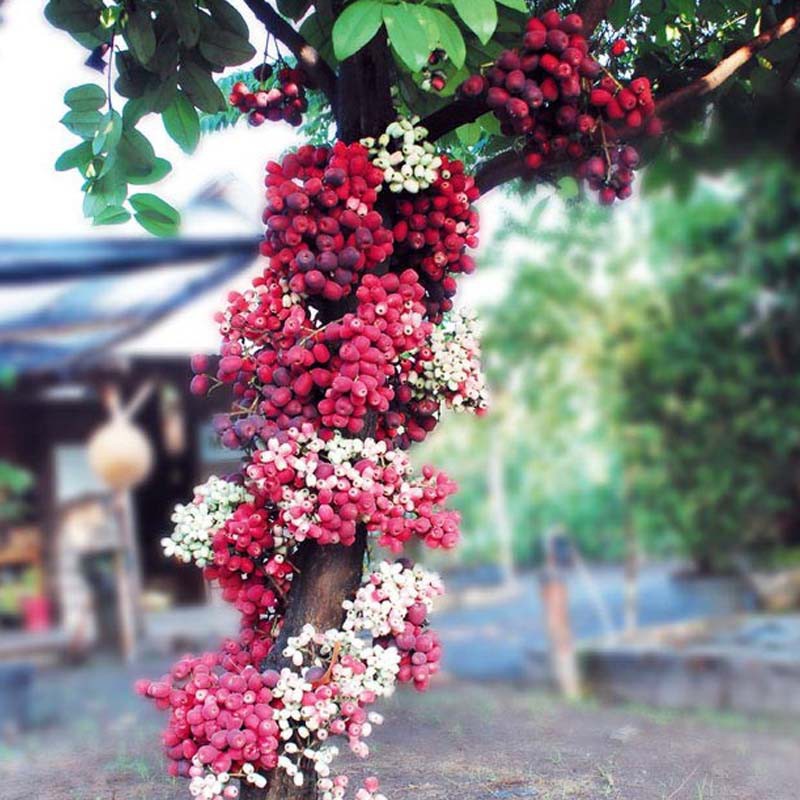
x=555 y=602
x=126 y=567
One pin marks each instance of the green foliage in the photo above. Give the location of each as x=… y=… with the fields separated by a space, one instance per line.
x=709 y=395
x=166 y=56
x=480 y=16
x=154 y=215
x=356 y=26
x=15 y=482
x=644 y=378
x=182 y=122
x=173 y=50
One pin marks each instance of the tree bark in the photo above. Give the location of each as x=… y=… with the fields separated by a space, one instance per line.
x=327 y=575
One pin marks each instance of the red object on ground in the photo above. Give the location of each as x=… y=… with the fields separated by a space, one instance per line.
x=36 y=613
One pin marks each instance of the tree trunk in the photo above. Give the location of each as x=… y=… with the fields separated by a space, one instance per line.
x=327 y=575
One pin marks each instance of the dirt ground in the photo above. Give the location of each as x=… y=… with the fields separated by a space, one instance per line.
x=458 y=741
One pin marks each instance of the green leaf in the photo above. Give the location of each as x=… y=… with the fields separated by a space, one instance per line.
x=108 y=134
x=469 y=134
x=182 y=123
x=220 y=46
x=139 y=33
x=155 y=215
x=102 y=193
x=77 y=157
x=82 y=123
x=133 y=111
x=355 y=27
x=407 y=35
x=619 y=12
x=75 y=16
x=160 y=94
x=480 y=16
x=227 y=17
x=88 y=97
x=160 y=169
x=446 y=33
x=133 y=79
x=187 y=21
x=517 y=5
x=164 y=61
x=200 y=87
x=135 y=152
x=112 y=215
x=294 y=9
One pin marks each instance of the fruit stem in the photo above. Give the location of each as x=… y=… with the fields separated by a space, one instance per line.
x=605 y=149
x=613 y=78
x=110 y=70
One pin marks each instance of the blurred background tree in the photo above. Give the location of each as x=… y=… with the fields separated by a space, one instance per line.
x=644 y=376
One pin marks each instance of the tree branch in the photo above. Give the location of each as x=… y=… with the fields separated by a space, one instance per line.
x=727 y=67
x=593 y=13
x=500 y=169
x=317 y=69
x=452 y=116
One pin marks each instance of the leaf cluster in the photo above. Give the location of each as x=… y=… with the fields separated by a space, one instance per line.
x=163 y=57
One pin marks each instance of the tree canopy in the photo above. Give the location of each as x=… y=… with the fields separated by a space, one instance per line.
x=164 y=58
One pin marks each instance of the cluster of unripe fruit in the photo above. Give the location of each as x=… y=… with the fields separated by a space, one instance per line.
x=408 y=161
x=562 y=101
x=286 y=100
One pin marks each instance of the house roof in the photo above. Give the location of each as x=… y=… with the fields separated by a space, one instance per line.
x=65 y=305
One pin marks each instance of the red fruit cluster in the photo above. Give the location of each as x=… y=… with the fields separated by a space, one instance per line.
x=552 y=92
x=286 y=101
x=629 y=106
x=322 y=226
x=611 y=175
x=289 y=370
x=219 y=714
x=434 y=230
x=424 y=515
x=419 y=647
x=547 y=70
x=248 y=570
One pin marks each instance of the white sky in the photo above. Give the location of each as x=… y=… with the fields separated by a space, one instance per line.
x=39 y=202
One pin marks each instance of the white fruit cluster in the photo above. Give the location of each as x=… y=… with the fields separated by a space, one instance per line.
x=381 y=605
x=409 y=162
x=358 y=669
x=210 y=785
x=196 y=522
x=454 y=372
